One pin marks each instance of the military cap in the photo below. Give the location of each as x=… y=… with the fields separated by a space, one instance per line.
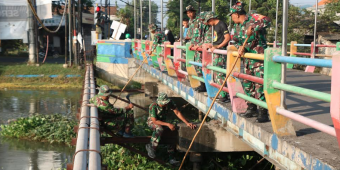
x=209 y=15
x=163 y=99
x=104 y=90
x=189 y=8
x=152 y=27
x=236 y=8
x=201 y=16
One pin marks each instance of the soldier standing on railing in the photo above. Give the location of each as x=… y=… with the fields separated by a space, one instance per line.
x=122 y=118
x=252 y=25
x=220 y=40
x=158 y=37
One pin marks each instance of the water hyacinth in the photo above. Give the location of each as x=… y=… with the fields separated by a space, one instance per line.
x=50 y=128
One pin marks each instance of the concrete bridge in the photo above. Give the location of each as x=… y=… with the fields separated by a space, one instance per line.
x=303 y=136
x=306 y=141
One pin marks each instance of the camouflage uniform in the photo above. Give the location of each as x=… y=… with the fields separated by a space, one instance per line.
x=218 y=59
x=189 y=35
x=198 y=30
x=122 y=118
x=160 y=113
x=256 y=44
x=158 y=39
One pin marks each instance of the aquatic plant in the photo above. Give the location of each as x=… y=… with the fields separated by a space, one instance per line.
x=50 y=128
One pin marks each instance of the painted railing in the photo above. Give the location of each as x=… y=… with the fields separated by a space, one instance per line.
x=280 y=117
x=293 y=52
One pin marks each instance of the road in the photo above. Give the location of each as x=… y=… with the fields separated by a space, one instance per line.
x=15 y=59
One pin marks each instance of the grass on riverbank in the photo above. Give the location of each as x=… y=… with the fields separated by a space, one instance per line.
x=40 y=82
x=45 y=69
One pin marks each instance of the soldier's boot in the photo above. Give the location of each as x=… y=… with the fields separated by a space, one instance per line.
x=251 y=111
x=201 y=88
x=263 y=115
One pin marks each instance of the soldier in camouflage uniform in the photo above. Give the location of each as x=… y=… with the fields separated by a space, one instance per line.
x=158 y=37
x=123 y=118
x=220 y=41
x=198 y=30
x=191 y=13
x=252 y=25
x=156 y=121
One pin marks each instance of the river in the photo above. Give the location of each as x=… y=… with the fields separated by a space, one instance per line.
x=16 y=154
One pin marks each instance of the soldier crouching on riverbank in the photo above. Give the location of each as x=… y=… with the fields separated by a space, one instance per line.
x=122 y=118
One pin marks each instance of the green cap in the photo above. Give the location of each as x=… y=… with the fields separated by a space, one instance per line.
x=209 y=15
x=127 y=35
x=201 y=16
x=189 y=8
x=236 y=8
x=163 y=99
x=104 y=90
x=152 y=27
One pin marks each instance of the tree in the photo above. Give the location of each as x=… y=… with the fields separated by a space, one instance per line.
x=173 y=22
x=331 y=14
x=127 y=13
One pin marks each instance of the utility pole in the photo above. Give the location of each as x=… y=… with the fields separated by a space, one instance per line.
x=66 y=34
x=284 y=49
x=75 y=35
x=31 y=42
x=36 y=34
x=109 y=22
x=161 y=15
x=79 y=26
x=70 y=30
x=141 y=20
x=105 y=23
x=135 y=19
x=149 y=19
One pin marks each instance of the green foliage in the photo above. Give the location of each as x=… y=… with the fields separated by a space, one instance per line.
x=46 y=69
x=117 y=157
x=11 y=46
x=51 y=128
x=173 y=15
x=329 y=15
x=127 y=13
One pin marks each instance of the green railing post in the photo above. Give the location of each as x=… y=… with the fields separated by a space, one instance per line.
x=282 y=125
x=190 y=55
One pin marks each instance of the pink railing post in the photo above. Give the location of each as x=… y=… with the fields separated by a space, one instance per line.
x=311 y=69
x=168 y=62
x=234 y=86
x=335 y=94
x=147 y=46
x=177 y=64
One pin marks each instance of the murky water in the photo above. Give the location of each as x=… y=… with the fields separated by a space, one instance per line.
x=24 y=103
x=16 y=154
